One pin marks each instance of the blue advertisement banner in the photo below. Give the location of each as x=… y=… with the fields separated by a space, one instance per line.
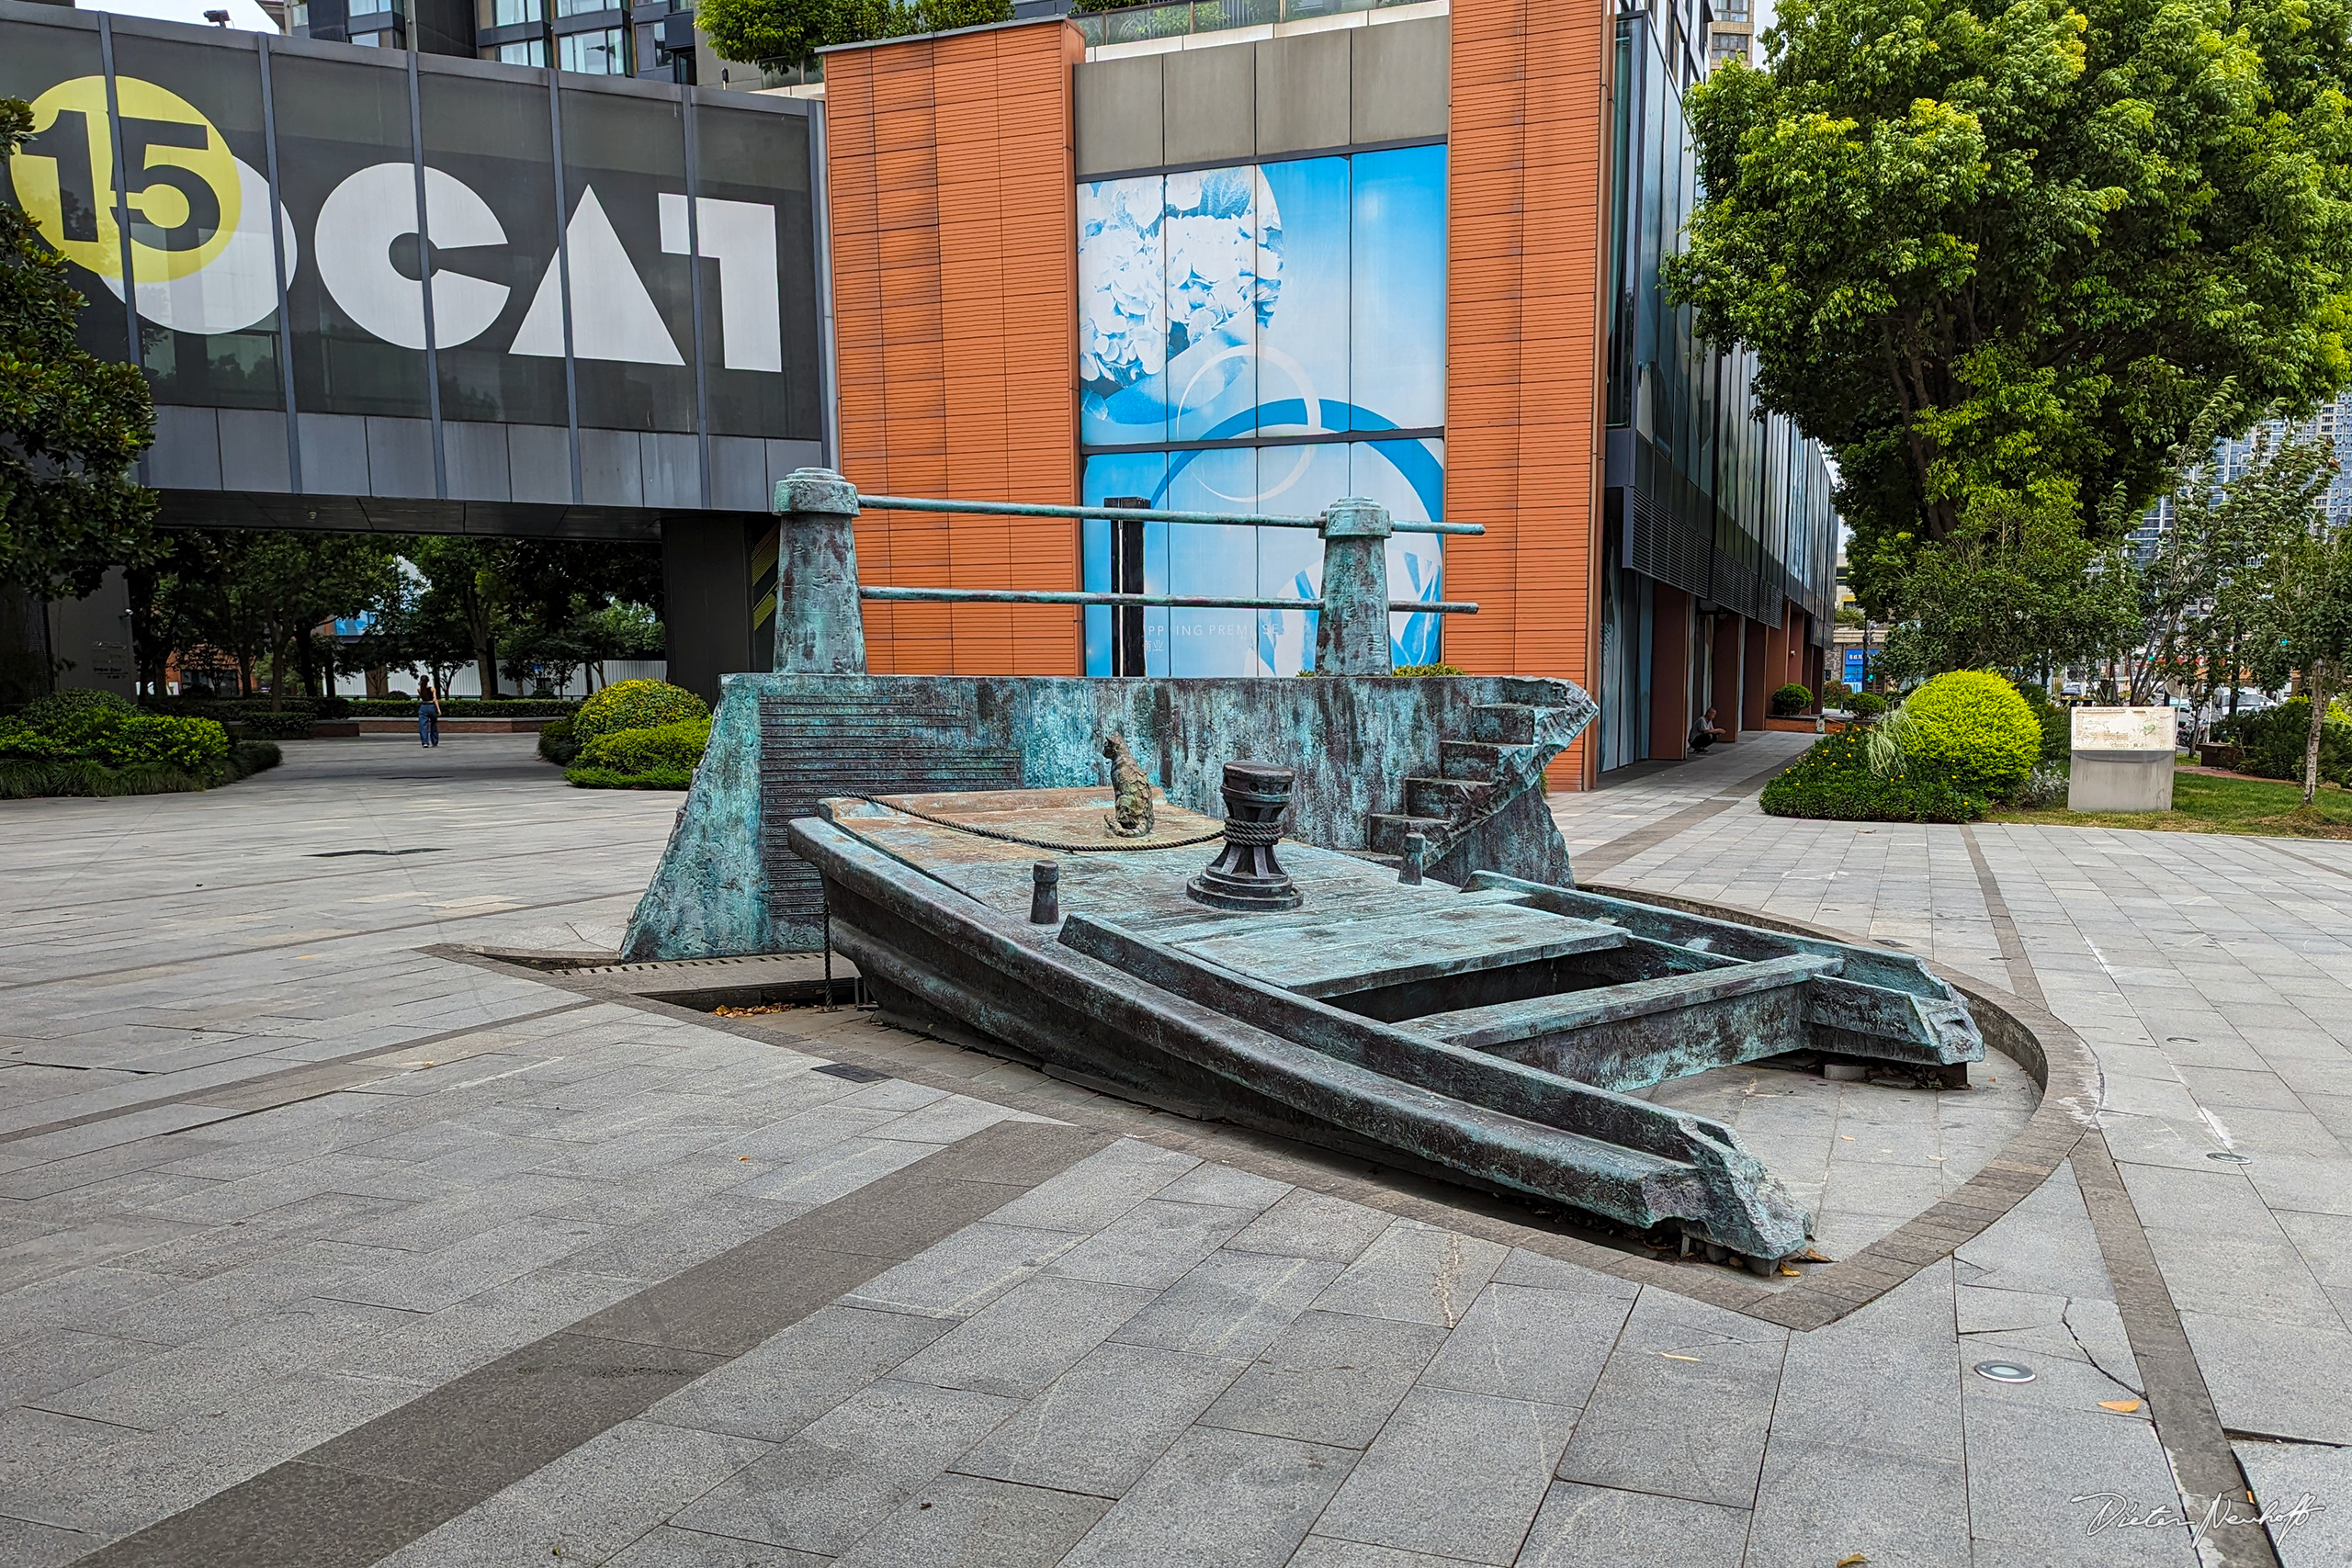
x=1269 y=308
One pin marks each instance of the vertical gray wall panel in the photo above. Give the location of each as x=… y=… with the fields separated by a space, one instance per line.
x=738 y=473
x=1302 y=85
x=187 y=452
x=1209 y=105
x=1400 y=72
x=783 y=457
x=1119 y=116
x=539 y=463
x=252 y=451
x=476 y=453
x=400 y=457
x=672 y=465
x=334 y=454
x=609 y=475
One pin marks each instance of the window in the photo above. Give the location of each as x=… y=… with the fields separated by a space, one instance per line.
x=584 y=7
x=530 y=52
x=369 y=40
x=604 y=52
x=514 y=13
x=1733 y=11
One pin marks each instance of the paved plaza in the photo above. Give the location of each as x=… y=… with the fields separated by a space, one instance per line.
x=327 y=1236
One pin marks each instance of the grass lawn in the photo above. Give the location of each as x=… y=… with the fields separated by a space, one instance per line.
x=2203 y=803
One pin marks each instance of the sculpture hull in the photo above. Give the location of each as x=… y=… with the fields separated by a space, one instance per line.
x=1473 y=1031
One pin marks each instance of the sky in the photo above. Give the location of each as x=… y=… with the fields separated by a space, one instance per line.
x=244 y=14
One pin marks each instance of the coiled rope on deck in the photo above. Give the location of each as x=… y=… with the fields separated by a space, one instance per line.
x=1239 y=832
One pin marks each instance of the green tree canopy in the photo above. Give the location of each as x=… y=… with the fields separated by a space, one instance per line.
x=1993 y=257
x=71 y=424
x=794 y=29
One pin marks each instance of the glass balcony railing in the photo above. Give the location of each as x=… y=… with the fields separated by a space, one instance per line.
x=1140 y=24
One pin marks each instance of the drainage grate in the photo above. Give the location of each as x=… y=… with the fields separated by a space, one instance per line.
x=338 y=855
x=851 y=1073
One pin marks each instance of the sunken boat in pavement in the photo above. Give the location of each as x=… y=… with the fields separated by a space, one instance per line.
x=1334 y=909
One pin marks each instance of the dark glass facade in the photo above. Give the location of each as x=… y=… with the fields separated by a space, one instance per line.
x=1727 y=511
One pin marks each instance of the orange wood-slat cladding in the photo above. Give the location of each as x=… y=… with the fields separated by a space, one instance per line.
x=1527 y=219
x=953 y=205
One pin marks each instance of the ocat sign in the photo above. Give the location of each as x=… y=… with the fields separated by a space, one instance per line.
x=203 y=255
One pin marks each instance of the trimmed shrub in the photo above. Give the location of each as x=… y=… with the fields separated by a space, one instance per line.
x=667 y=751
x=605 y=778
x=1971 y=729
x=1422 y=670
x=62 y=710
x=1833 y=781
x=2043 y=788
x=2271 y=743
x=2057 y=723
x=1834 y=695
x=1866 y=704
x=111 y=734
x=636 y=705
x=24 y=779
x=556 y=742
x=1791 y=700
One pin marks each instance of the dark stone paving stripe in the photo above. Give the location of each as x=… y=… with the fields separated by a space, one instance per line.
x=267 y=1092
x=1617 y=851
x=2014 y=958
x=2178 y=1401
x=359 y=1497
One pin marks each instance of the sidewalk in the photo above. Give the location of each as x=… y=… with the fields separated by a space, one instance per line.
x=319 y=1249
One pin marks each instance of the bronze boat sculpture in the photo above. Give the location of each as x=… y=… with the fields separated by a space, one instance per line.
x=1350 y=919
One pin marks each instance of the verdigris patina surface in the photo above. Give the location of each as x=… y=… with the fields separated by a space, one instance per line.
x=1458 y=759
x=1498 y=1032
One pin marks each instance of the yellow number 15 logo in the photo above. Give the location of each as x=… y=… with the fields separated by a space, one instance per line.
x=181 y=182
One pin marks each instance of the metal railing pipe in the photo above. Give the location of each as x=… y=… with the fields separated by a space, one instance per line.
x=1130 y=514
x=1149 y=601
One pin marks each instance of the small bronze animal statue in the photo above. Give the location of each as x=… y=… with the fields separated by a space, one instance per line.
x=1131 y=813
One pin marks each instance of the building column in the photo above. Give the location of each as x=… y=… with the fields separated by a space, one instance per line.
x=1776 y=662
x=707 y=586
x=1670 y=672
x=1727 y=649
x=1754 y=694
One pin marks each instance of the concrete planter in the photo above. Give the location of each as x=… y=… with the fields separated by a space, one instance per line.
x=1801 y=723
x=2122 y=760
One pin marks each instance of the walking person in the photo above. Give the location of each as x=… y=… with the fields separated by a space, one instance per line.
x=428 y=714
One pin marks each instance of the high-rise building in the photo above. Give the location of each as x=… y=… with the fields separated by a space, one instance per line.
x=1730 y=32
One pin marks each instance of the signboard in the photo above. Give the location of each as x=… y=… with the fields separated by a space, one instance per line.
x=343 y=226
x=2126 y=729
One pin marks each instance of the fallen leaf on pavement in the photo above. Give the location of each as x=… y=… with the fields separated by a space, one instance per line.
x=2121 y=1406
x=1791 y=1272
x=1673 y=1356
x=1852 y=1560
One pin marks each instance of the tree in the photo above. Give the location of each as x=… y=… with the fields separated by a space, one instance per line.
x=755 y=30
x=465 y=586
x=1996 y=255
x=2016 y=587
x=2204 y=588
x=2304 y=622
x=71 y=424
x=255 y=598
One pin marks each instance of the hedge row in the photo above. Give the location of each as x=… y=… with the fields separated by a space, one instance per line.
x=2271 y=744
x=1964 y=740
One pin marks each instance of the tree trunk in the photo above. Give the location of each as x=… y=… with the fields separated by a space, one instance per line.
x=2318 y=685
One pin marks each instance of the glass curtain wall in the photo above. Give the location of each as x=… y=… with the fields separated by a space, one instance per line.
x=1705 y=496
